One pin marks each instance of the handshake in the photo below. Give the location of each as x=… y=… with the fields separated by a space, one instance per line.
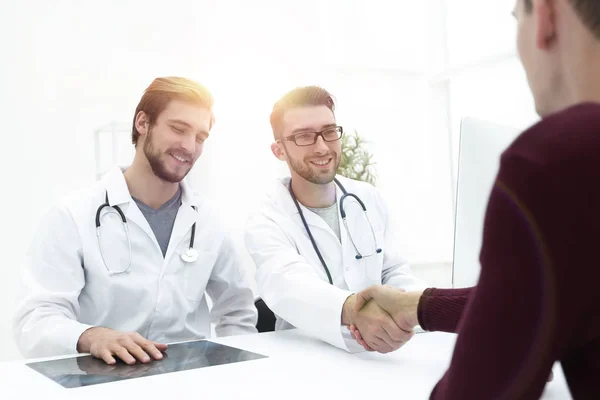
x=381 y=318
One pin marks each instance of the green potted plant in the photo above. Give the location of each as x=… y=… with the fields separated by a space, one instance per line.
x=356 y=161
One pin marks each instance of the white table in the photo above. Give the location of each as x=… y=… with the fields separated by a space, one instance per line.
x=298 y=367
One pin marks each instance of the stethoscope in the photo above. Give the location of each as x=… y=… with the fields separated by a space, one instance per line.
x=188 y=256
x=345 y=195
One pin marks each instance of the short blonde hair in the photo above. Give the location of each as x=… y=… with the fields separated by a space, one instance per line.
x=161 y=91
x=300 y=97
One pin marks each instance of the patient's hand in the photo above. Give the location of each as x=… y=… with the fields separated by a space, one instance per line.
x=378 y=330
x=401 y=306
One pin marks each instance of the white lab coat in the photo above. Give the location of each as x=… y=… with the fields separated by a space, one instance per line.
x=66 y=288
x=291 y=279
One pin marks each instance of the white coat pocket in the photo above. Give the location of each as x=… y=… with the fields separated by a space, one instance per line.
x=197 y=274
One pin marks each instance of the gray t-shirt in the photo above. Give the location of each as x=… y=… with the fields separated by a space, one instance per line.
x=162 y=220
x=330 y=215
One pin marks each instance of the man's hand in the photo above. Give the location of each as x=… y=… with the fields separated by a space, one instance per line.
x=378 y=329
x=105 y=343
x=401 y=305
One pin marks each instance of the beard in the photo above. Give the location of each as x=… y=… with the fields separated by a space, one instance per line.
x=159 y=165
x=314 y=175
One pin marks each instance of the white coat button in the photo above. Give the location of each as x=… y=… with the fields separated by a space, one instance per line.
x=347 y=268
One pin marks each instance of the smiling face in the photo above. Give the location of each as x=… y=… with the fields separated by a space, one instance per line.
x=316 y=163
x=173 y=143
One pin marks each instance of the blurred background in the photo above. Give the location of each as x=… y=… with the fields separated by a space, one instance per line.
x=403 y=72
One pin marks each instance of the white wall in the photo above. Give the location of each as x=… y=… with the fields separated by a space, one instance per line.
x=70 y=67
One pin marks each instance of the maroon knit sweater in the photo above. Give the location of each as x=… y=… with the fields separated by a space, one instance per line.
x=537 y=300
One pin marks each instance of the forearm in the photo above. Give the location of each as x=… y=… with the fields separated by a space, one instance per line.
x=47 y=335
x=238 y=322
x=291 y=287
x=45 y=322
x=229 y=287
x=305 y=302
x=233 y=309
x=442 y=309
x=46 y=317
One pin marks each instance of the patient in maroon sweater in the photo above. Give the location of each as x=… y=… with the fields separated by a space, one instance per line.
x=537 y=299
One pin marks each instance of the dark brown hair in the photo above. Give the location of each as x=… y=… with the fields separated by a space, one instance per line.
x=587 y=10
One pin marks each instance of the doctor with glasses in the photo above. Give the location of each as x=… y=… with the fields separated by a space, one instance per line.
x=318 y=237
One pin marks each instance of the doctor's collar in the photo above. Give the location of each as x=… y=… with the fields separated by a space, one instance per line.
x=118 y=191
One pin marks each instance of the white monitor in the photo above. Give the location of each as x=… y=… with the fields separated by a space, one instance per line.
x=481 y=144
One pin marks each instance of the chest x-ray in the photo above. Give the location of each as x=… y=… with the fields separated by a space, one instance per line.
x=87 y=370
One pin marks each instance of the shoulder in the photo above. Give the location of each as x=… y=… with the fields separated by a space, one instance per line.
x=71 y=211
x=212 y=215
x=355 y=186
x=81 y=198
x=560 y=138
x=275 y=204
x=367 y=192
x=552 y=160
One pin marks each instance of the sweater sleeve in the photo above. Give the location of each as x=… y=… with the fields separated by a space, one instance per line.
x=503 y=348
x=441 y=309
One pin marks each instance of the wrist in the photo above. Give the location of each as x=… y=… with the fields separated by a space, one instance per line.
x=348 y=310
x=86 y=339
x=413 y=307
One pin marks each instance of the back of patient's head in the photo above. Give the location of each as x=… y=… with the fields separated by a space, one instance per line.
x=588 y=12
x=307 y=96
x=161 y=91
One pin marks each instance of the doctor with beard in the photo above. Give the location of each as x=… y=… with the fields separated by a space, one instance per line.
x=318 y=238
x=121 y=268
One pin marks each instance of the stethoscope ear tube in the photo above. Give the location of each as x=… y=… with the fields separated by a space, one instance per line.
x=188 y=256
x=342 y=211
x=107 y=204
x=358 y=256
x=191 y=254
x=312 y=239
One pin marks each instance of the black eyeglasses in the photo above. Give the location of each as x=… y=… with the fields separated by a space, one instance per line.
x=330 y=134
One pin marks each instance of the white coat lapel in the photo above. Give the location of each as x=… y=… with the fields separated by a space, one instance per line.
x=118 y=195
x=284 y=198
x=354 y=269
x=345 y=241
x=185 y=219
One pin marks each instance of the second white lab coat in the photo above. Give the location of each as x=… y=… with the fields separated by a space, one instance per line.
x=291 y=279
x=66 y=288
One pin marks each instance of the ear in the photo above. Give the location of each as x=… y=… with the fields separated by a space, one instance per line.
x=544 y=17
x=141 y=123
x=278 y=151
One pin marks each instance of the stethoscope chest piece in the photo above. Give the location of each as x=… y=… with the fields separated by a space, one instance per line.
x=190 y=255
